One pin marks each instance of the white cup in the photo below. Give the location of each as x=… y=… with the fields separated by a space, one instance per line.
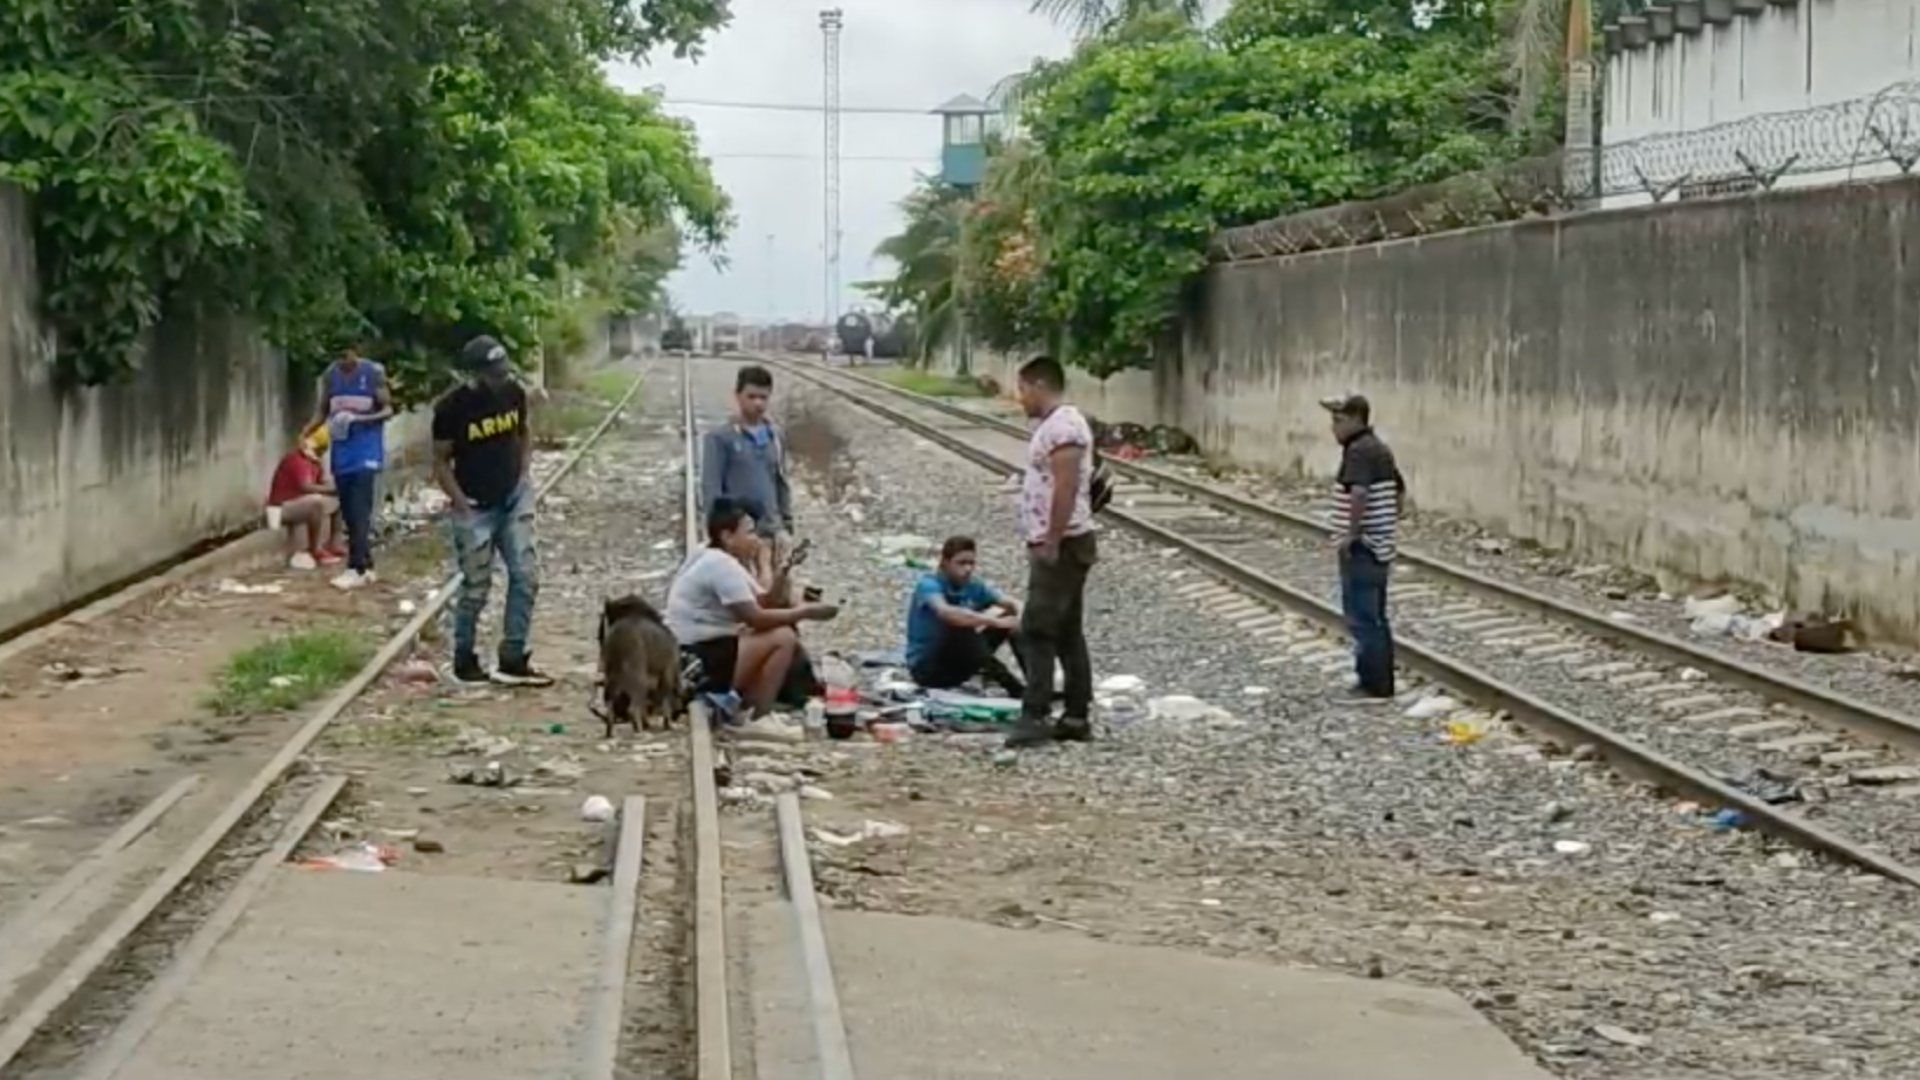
x=273 y=517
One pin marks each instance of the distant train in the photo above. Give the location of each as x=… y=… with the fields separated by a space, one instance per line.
x=892 y=338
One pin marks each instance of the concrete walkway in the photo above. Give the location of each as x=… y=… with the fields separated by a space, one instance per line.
x=940 y=999
x=390 y=976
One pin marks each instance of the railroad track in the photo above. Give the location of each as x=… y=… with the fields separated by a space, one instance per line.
x=1726 y=733
x=53 y=960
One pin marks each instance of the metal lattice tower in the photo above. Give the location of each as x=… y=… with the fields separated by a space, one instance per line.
x=831 y=20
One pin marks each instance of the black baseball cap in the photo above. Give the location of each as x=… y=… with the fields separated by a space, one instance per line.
x=1354 y=405
x=482 y=353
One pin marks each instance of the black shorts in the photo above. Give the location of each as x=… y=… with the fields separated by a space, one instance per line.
x=717 y=658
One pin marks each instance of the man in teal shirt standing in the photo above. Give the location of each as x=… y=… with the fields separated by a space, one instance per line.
x=956 y=623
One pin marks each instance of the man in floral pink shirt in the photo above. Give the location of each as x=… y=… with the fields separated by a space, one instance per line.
x=1056 y=521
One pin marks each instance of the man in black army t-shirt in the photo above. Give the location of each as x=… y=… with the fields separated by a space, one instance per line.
x=481 y=448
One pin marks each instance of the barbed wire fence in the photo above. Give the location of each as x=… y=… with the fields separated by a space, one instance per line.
x=1876 y=135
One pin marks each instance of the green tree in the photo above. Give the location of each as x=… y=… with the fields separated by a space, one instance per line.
x=1157 y=134
x=406 y=170
x=926 y=284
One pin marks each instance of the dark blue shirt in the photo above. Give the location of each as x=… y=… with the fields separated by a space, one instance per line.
x=923 y=623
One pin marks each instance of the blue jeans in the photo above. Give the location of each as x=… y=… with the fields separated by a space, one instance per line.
x=356 y=510
x=477 y=534
x=1363 y=596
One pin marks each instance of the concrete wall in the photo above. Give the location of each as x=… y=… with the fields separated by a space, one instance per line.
x=1721 y=389
x=98 y=484
x=1787 y=56
x=1717 y=389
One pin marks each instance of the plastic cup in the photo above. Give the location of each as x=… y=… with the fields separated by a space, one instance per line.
x=273 y=517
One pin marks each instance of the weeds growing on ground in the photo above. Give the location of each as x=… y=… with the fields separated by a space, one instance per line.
x=931 y=384
x=284 y=672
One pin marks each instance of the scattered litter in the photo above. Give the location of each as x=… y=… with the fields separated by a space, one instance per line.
x=768 y=781
x=596 y=808
x=1256 y=691
x=480 y=741
x=1620 y=1036
x=1726 y=604
x=1180 y=708
x=894 y=545
x=366 y=858
x=239 y=588
x=587 y=874
x=1623 y=616
x=402 y=835
x=1886 y=774
x=1688 y=674
x=1489 y=545
x=1769 y=787
x=1784 y=860
x=426 y=845
x=1661 y=918
x=419 y=791
x=1428 y=708
x=1121 y=684
x=1572 y=848
x=408 y=607
x=418 y=673
x=492 y=774
x=1466 y=732
x=282 y=682
x=1005 y=758
x=869 y=830
x=818 y=794
x=890 y=733
x=560 y=769
x=855 y=514
x=1726 y=821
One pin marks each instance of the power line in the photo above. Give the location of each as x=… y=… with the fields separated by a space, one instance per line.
x=924 y=159
x=795 y=106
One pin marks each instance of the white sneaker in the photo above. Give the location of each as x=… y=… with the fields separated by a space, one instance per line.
x=302 y=561
x=769 y=729
x=352 y=579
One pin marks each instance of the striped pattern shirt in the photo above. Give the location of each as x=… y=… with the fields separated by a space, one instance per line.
x=1366 y=464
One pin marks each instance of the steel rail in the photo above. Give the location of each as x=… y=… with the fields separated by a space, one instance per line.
x=1627 y=755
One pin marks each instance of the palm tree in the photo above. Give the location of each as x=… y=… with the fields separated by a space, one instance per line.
x=1090 y=18
x=926 y=253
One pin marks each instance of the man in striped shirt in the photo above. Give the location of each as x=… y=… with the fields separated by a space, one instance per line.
x=1366 y=513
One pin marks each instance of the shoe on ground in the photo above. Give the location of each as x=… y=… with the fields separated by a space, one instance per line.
x=352 y=579
x=326 y=557
x=520 y=672
x=1028 y=733
x=1073 y=729
x=769 y=729
x=1363 y=696
x=467 y=669
x=302 y=561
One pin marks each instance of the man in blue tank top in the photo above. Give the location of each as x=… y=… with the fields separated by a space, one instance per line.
x=355 y=403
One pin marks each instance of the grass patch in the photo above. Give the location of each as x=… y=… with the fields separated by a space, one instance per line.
x=931 y=384
x=284 y=672
x=608 y=384
x=564 y=419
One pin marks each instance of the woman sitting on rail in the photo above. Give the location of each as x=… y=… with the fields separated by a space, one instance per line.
x=714 y=611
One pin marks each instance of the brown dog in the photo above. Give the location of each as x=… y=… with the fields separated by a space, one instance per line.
x=639 y=665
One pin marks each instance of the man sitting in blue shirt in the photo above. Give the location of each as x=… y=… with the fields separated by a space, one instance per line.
x=955 y=624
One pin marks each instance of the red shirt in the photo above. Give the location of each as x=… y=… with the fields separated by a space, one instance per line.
x=291 y=479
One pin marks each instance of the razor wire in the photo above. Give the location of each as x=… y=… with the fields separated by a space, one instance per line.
x=1750 y=154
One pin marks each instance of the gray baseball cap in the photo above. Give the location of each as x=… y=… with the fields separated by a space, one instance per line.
x=482 y=353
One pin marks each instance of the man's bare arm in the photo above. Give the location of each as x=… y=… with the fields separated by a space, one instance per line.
x=443 y=475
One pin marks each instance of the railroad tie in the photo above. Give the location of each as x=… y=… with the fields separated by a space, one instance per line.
x=1795 y=743
x=1732 y=712
x=1677 y=706
x=1762 y=728
x=1601 y=671
x=1636 y=678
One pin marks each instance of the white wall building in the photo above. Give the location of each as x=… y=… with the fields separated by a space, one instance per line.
x=1705 y=97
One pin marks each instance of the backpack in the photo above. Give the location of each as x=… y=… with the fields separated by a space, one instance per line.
x=1100 y=487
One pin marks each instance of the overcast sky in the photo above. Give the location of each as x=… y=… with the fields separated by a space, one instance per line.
x=894 y=53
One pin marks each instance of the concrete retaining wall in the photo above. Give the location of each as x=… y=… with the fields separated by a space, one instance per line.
x=98 y=484
x=1720 y=390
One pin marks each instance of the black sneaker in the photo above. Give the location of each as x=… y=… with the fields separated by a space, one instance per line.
x=1073 y=729
x=467 y=669
x=1028 y=732
x=520 y=672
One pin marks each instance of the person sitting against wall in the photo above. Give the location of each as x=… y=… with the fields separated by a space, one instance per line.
x=301 y=503
x=956 y=623
x=714 y=612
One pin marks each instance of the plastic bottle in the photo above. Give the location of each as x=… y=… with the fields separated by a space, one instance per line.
x=814 y=720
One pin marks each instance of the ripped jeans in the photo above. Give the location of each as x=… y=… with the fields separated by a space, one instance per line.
x=477 y=534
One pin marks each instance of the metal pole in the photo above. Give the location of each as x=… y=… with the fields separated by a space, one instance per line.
x=831 y=20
